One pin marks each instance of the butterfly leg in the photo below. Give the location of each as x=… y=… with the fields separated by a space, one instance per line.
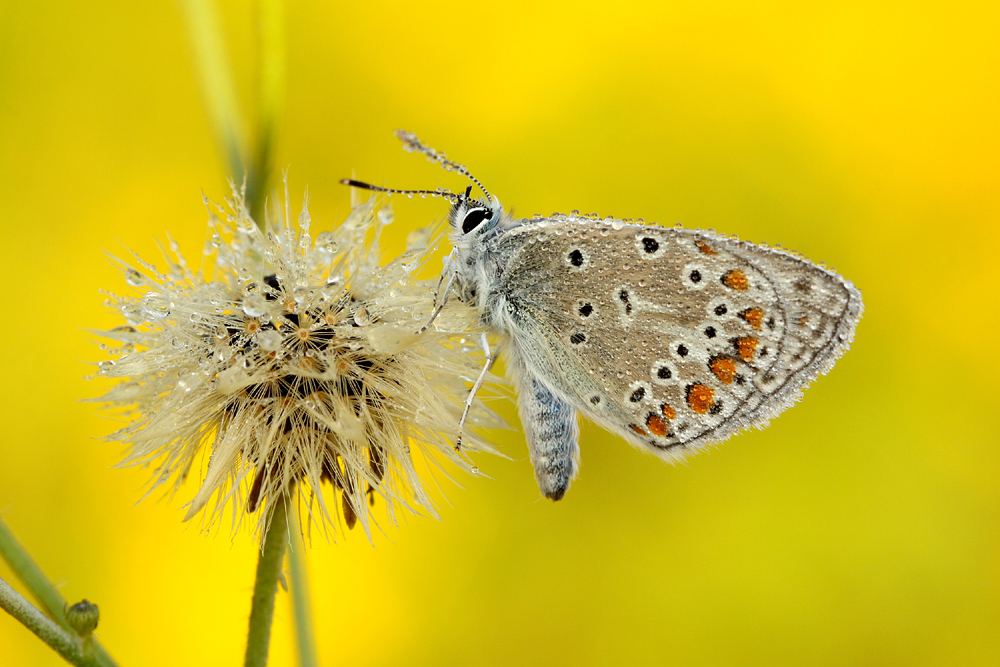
x=485 y=343
x=444 y=299
x=551 y=431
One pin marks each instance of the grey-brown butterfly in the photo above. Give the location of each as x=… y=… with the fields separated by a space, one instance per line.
x=671 y=338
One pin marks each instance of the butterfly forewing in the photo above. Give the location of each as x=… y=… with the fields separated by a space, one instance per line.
x=672 y=338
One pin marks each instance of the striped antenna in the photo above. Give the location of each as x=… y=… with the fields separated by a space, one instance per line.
x=412 y=143
x=440 y=192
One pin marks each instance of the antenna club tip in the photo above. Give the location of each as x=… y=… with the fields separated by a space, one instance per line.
x=410 y=140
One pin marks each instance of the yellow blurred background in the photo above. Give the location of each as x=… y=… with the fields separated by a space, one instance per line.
x=861 y=528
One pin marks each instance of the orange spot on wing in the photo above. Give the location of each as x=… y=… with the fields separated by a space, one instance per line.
x=747 y=347
x=723 y=368
x=656 y=425
x=668 y=411
x=736 y=279
x=637 y=429
x=700 y=398
x=753 y=317
x=705 y=248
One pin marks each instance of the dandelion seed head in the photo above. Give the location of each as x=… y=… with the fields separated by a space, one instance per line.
x=289 y=366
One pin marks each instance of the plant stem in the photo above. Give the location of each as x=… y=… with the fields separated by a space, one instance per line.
x=217 y=83
x=271 y=91
x=41 y=588
x=302 y=605
x=266 y=586
x=65 y=644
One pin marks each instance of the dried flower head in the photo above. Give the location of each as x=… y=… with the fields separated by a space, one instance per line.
x=292 y=361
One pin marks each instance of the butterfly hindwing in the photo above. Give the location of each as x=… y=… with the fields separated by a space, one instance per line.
x=671 y=338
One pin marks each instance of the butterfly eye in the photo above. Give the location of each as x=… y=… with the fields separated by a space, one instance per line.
x=473 y=219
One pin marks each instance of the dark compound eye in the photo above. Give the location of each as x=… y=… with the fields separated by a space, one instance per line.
x=474 y=218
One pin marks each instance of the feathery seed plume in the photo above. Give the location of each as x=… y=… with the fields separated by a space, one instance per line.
x=291 y=361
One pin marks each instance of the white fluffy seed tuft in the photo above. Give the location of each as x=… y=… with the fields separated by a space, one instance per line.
x=287 y=362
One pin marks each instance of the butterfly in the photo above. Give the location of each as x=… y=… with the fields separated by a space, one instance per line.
x=671 y=338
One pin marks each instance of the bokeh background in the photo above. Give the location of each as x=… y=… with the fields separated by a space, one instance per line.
x=861 y=528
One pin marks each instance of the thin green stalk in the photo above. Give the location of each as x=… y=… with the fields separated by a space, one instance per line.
x=41 y=588
x=271 y=91
x=265 y=587
x=301 y=604
x=217 y=82
x=60 y=641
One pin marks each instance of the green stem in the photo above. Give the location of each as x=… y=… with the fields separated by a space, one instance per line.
x=271 y=90
x=60 y=641
x=217 y=83
x=265 y=587
x=41 y=588
x=302 y=605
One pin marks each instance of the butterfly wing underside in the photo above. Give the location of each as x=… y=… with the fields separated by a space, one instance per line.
x=670 y=338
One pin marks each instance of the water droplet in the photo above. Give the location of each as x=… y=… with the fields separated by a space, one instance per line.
x=386 y=216
x=269 y=340
x=134 y=278
x=188 y=382
x=362 y=317
x=299 y=293
x=105 y=366
x=418 y=238
x=133 y=315
x=245 y=224
x=327 y=242
x=254 y=305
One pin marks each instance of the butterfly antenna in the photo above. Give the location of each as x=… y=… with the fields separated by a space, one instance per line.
x=412 y=143
x=439 y=192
